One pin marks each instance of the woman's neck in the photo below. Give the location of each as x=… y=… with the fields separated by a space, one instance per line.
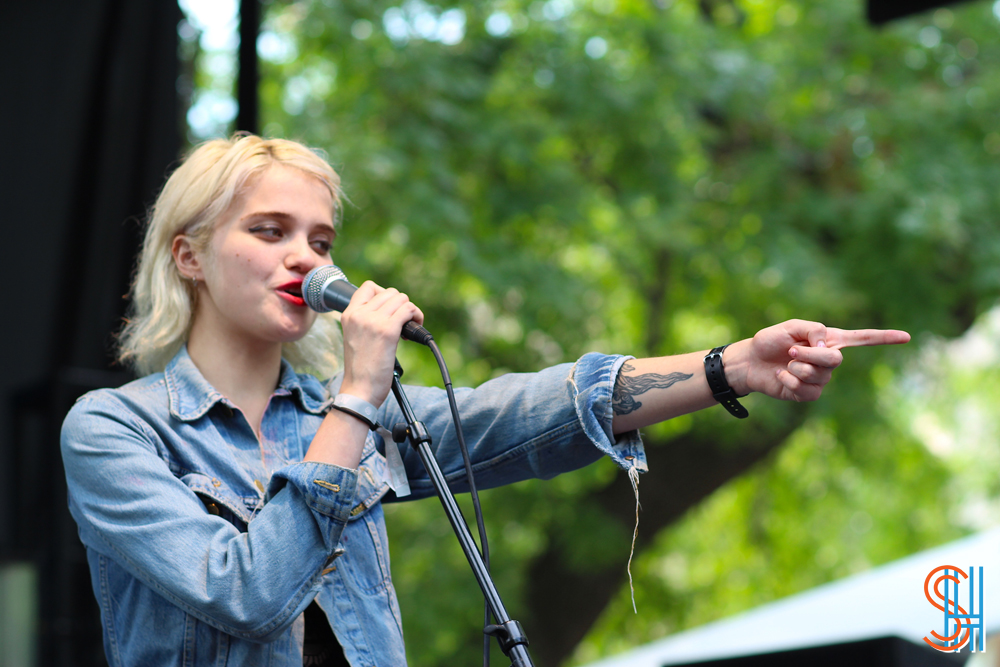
x=245 y=372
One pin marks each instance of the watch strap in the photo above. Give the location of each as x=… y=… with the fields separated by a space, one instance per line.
x=357 y=407
x=723 y=393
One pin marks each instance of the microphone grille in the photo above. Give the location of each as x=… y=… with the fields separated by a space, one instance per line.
x=314 y=284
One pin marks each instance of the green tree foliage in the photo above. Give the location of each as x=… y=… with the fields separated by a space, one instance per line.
x=651 y=177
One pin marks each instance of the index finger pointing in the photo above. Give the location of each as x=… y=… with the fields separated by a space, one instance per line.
x=841 y=338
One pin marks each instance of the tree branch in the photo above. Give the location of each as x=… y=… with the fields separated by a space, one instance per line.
x=564 y=603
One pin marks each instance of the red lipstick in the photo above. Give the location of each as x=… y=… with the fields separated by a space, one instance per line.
x=292 y=292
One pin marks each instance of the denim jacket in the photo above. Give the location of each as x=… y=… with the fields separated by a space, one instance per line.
x=206 y=544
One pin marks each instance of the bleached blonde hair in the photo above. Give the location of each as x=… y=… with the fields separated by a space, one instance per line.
x=195 y=196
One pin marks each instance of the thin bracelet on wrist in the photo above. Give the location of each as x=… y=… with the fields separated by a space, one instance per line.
x=723 y=393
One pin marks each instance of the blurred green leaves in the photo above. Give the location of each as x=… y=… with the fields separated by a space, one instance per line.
x=652 y=177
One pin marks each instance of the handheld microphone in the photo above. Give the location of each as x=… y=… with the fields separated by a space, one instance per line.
x=326 y=288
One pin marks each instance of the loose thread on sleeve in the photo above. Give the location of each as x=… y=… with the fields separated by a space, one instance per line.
x=572 y=378
x=633 y=477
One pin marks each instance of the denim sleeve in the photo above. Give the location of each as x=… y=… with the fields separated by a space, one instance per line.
x=130 y=506
x=522 y=425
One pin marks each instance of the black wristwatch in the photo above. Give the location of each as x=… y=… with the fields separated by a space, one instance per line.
x=717 y=382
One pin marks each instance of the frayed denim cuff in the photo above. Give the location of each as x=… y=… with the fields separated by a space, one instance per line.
x=593 y=379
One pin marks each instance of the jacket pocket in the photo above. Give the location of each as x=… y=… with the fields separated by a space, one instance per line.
x=218 y=499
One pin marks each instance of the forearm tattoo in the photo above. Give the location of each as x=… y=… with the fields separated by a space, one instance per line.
x=627 y=387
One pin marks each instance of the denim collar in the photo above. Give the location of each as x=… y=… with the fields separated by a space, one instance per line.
x=190 y=396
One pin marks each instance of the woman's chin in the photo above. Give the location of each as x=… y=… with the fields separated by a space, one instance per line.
x=293 y=329
x=286 y=337
x=290 y=335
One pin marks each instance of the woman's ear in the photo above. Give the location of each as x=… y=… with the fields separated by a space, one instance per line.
x=187 y=260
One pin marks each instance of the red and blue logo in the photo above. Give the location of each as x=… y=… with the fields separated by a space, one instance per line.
x=944 y=584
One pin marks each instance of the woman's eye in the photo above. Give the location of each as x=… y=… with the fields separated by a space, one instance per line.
x=322 y=246
x=266 y=232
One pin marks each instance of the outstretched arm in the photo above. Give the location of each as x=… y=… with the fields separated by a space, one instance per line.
x=790 y=361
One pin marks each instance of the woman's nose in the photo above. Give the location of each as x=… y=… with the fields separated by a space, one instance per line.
x=301 y=257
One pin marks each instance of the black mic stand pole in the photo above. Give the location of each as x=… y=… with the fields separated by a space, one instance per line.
x=508 y=632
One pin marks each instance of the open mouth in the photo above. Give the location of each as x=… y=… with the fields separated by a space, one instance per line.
x=292 y=292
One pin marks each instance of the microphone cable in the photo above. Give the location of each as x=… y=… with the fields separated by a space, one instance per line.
x=485 y=548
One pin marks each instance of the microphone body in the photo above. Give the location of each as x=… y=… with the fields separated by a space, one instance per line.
x=326 y=288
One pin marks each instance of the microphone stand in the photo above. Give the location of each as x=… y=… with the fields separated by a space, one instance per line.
x=508 y=632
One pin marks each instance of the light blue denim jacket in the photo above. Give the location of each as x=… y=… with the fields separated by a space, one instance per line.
x=205 y=545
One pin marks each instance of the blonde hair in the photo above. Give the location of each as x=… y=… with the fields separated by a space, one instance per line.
x=194 y=197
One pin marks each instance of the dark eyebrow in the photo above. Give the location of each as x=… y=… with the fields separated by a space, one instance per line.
x=280 y=215
x=267 y=214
